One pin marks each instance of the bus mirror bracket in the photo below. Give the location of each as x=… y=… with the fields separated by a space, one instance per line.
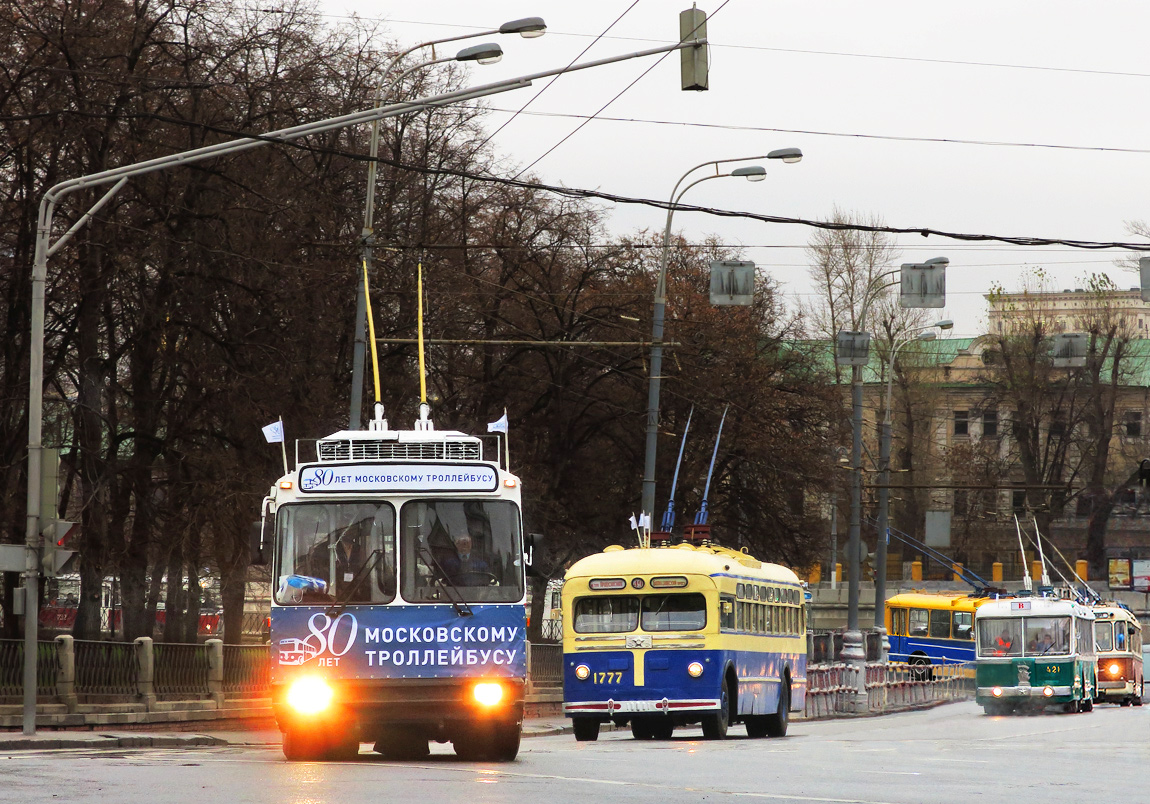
x=533 y=542
x=256 y=545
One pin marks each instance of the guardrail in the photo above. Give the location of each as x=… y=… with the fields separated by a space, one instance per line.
x=545 y=667
x=12 y=667
x=888 y=687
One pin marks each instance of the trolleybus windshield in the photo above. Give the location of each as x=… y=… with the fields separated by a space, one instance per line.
x=615 y=614
x=335 y=551
x=469 y=550
x=1103 y=636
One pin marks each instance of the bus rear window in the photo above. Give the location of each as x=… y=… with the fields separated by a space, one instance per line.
x=683 y=612
x=608 y=614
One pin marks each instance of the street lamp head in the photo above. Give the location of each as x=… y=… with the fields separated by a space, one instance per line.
x=946 y=323
x=528 y=27
x=788 y=155
x=927 y=336
x=488 y=53
x=751 y=172
x=937 y=261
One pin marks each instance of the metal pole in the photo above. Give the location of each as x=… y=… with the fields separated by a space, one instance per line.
x=834 y=536
x=40 y=275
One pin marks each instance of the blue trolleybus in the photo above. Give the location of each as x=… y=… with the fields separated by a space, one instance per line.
x=398 y=609
x=670 y=636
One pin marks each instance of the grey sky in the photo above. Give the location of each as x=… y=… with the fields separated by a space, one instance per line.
x=844 y=81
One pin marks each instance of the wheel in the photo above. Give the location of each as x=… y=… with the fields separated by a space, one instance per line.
x=488 y=742
x=301 y=746
x=1072 y=707
x=715 y=725
x=586 y=729
x=777 y=723
x=1124 y=702
x=642 y=728
x=1138 y=698
x=344 y=748
x=504 y=746
x=401 y=744
x=1087 y=705
x=921 y=669
x=756 y=725
x=662 y=728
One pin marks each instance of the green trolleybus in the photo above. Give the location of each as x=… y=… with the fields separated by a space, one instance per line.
x=1034 y=652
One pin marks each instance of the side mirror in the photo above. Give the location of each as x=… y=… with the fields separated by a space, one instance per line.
x=532 y=542
x=257 y=544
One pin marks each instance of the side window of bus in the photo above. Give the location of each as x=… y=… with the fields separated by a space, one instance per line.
x=918 y=622
x=963 y=625
x=940 y=624
x=726 y=612
x=898 y=622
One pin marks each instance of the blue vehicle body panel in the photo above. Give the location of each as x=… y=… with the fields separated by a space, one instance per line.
x=940 y=651
x=392 y=642
x=665 y=676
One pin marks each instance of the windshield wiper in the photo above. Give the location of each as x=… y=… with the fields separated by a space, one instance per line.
x=445 y=583
x=360 y=576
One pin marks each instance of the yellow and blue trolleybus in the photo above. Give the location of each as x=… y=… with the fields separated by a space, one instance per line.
x=670 y=636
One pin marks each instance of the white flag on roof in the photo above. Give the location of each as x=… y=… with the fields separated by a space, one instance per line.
x=274 y=432
x=644 y=521
x=634 y=524
x=499 y=426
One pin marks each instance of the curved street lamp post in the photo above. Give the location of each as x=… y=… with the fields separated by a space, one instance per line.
x=752 y=173
x=884 y=482
x=528 y=28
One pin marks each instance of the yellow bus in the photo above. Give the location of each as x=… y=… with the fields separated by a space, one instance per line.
x=1118 y=642
x=929 y=629
x=670 y=636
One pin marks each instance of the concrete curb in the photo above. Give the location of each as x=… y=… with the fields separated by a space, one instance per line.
x=104 y=741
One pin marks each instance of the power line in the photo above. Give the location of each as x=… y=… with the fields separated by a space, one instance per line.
x=799 y=51
x=841 y=134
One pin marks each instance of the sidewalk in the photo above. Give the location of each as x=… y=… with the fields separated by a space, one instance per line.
x=57 y=740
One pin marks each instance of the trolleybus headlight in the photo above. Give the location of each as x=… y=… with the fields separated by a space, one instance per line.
x=582 y=672
x=694 y=669
x=488 y=694
x=309 y=695
x=996 y=692
x=1048 y=691
x=1114 y=668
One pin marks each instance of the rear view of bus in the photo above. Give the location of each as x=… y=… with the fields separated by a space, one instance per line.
x=658 y=638
x=1034 y=653
x=1118 y=640
x=398 y=610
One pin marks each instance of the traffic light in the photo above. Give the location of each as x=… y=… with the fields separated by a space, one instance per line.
x=53 y=557
x=692 y=27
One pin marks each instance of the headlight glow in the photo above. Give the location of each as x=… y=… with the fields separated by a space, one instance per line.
x=309 y=695
x=1048 y=691
x=1114 y=669
x=996 y=692
x=488 y=694
x=582 y=672
x=694 y=669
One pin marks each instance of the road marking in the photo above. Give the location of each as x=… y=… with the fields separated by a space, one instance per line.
x=653 y=786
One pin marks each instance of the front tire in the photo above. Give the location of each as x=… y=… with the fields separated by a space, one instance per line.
x=1138 y=698
x=586 y=729
x=715 y=725
x=642 y=729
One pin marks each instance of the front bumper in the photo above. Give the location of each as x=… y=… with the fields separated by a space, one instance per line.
x=422 y=702
x=1031 y=693
x=612 y=708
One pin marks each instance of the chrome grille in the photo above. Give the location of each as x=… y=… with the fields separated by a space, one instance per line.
x=366 y=450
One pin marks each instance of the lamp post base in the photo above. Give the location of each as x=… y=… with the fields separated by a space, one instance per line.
x=854 y=654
